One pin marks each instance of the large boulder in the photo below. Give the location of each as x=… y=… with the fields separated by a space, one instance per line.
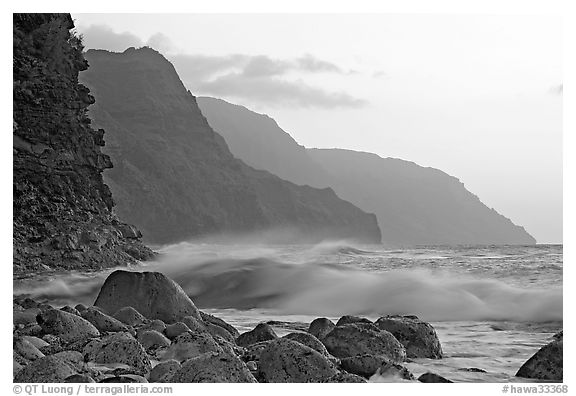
x=262 y=332
x=360 y=339
x=164 y=371
x=45 y=369
x=320 y=327
x=213 y=367
x=546 y=364
x=310 y=341
x=284 y=360
x=152 y=294
x=349 y=319
x=418 y=337
x=68 y=327
x=118 y=348
x=363 y=365
x=191 y=344
x=26 y=349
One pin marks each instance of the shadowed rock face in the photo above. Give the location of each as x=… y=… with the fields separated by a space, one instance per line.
x=414 y=205
x=175 y=178
x=62 y=209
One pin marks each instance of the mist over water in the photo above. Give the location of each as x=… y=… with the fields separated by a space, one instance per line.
x=520 y=284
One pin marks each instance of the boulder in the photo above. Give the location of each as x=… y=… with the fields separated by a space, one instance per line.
x=71 y=310
x=546 y=364
x=155 y=324
x=252 y=352
x=129 y=316
x=189 y=345
x=73 y=358
x=26 y=316
x=432 y=378
x=37 y=342
x=164 y=371
x=262 y=332
x=418 y=337
x=68 y=327
x=26 y=349
x=175 y=329
x=213 y=367
x=152 y=294
x=207 y=318
x=344 y=377
x=363 y=365
x=102 y=321
x=320 y=327
x=309 y=340
x=349 y=319
x=118 y=348
x=284 y=360
x=151 y=339
x=45 y=369
x=360 y=339
x=216 y=330
x=79 y=378
x=194 y=324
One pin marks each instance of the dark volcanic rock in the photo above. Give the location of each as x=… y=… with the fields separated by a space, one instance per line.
x=360 y=339
x=152 y=294
x=418 y=337
x=546 y=364
x=68 y=327
x=62 y=209
x=175 y=178
x=262 y=332
x=432 y=378
x=213 y=367
x=320 y=327
x=284 y=360
x=45 y=369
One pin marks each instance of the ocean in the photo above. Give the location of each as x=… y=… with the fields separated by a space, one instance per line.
x=492 y=306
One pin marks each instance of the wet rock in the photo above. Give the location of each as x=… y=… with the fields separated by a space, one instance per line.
x=152 y=294
x=79 y=378
x=262 y=332
x=207 y=318
x=285 y=360
x=126 y=378
x=189 y=345
x=156 y=325
x=546 y=364
x=396 y=371
x=360 y=339
x=418 y=337
x=344 y=377
x=119 y=348
x=320 y=327
x=349 y=319
x=175 y=329
x=309 y=340
x=151 y=339
x=25 y=317
x=433 y=378
x=26 y=349
x=164 y=371
x=102 y=321
x=70 y=310
x=129 y=316
x=213 y=367
x=66 y=326
x=45 y=369
x=363 y=365
x=194 y=324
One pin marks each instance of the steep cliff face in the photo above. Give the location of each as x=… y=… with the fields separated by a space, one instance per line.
x=62 y=209
x=175 y=178
x=414 y=205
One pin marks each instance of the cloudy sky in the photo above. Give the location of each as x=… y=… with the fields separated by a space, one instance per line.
x=479 y=97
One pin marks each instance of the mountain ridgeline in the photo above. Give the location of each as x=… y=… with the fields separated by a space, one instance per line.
x=62 y=209
x=175 y=178
x=414 y=205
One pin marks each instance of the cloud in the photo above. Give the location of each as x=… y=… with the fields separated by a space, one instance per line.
x=257 y=78
x=103 y=37
x=277 y=92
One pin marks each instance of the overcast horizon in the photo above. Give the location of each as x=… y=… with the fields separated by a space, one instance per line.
x=478 y=97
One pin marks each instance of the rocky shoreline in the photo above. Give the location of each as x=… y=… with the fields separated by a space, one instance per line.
x=144 y=328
